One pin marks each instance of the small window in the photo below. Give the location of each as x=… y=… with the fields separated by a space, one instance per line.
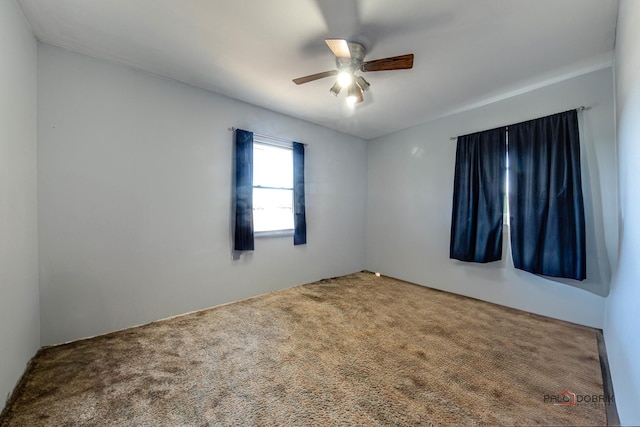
x=506 y=212
x=272 y=188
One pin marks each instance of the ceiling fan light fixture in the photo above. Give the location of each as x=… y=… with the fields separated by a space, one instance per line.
x=345 y=78
x=335 y=89
x=362 y=83
x=354 y=96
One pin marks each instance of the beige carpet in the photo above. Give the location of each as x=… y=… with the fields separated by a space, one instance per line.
x=355 y=350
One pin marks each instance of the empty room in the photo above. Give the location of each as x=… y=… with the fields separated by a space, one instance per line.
x=319 y=212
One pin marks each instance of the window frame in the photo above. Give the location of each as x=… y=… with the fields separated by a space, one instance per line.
x=266 y=141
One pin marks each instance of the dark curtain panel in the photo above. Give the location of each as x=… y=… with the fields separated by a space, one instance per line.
x=299 y=215
x=547 y=212
x=478 y=197
x=243 y=233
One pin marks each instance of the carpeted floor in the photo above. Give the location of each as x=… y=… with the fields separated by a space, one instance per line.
x=354 y=350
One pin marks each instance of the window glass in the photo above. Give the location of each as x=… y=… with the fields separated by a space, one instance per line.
x=272 y=166
x=272 y=188
x=505 y=213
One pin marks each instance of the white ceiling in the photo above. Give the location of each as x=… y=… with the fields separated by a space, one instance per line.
x=467 y=52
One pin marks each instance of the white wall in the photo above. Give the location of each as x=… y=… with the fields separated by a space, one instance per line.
x=19 y=311
x=622 y=316
x=135 y=186
x=410 y=184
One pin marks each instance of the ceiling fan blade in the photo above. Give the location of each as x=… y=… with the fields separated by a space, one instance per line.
x=402 y=62
x=312 y=77
x=339 y=47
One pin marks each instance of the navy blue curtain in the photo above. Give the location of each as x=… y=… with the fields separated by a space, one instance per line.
x=243 y=233
x=299 y=210
x=478 y=197
x=545 y=201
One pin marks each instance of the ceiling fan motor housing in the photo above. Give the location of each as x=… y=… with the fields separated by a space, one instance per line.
x=354 y=63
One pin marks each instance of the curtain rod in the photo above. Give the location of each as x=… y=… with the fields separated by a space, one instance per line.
x=580 y=108
x=233 y=128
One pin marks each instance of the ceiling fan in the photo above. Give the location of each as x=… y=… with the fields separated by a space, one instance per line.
x=349 y=59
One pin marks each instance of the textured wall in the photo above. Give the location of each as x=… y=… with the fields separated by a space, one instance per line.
x=410 y=195
x=135 y=180
x=622 y=316
x=19 y=311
